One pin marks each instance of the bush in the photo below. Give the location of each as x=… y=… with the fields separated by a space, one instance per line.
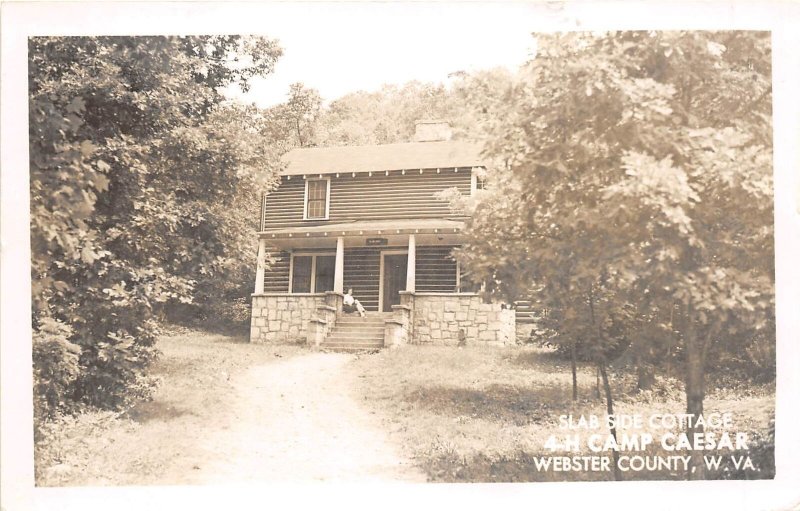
x=761 y=354
x=114 y=374
x=664 y=388
x=761 y=453
x=55 y=368
x=743 y=357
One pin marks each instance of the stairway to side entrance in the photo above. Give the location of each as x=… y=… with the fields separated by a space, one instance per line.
x=353 y=333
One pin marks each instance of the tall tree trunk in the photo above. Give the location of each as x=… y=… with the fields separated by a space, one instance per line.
x=299 y=133
x=597 y=384
x=610 y=411
x=591 y=317
x=574 y=362
x=645 y=376
x=695 y=388
x=673 y=336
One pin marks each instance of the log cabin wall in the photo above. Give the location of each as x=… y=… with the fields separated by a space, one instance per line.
x=436 y=270
x=365 y=197
x=276 y=277
x=362 y=268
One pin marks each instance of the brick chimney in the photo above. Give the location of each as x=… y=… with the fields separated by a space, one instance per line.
x=432 y=131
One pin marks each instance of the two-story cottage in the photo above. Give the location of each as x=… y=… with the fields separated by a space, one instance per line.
x=367 y=218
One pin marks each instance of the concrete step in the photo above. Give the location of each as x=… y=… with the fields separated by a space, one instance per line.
x=353 y=333
x=351 y=347
x=369 y=314
x=357 y=333
x=360 y=326
x=360 y=342
x=358 y=329
x=358 y=321
x=345 y=337
x=365 y=321
x=359 y=337
x=355 y=340
x=353 y=350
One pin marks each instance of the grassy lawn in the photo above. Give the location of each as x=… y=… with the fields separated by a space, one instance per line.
x=483 y=413
x=155 y=442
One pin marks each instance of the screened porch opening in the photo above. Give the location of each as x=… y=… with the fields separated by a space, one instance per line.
x=312 y=273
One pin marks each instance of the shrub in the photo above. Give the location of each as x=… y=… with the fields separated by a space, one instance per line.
x=55 y=364
x=761 y=354
x=114 y=372
x=761 y=453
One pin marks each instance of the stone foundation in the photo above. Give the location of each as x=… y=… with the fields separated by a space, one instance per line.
x=438 y=318
x=423 y=318
x=282 y=317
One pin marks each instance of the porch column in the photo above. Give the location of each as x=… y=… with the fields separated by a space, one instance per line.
x=411 y=265
x=260 y=266
x=338 y=274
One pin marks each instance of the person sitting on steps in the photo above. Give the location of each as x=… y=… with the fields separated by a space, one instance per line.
x=350 y=304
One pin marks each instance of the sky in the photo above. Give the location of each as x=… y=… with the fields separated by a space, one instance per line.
x=342 y=48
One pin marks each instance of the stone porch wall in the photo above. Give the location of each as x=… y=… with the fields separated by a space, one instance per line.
x=438 y=317
x=282 y=317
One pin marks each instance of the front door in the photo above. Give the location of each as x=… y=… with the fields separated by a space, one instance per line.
x=394 y=279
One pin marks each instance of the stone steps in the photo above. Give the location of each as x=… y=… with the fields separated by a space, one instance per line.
x=351 y=349
x=355 y=337
x=352 y=333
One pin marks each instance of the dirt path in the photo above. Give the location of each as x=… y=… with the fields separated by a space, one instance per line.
x=298 y=420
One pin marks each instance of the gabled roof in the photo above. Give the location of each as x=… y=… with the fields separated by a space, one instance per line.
x=377 y=158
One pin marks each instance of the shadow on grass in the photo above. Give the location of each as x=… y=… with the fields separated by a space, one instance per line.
x=543 y=359
x=156 y=410
x=230 y=339
x=217 y=327
x=504 y=403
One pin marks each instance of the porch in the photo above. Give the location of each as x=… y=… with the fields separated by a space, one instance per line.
x=402 y=270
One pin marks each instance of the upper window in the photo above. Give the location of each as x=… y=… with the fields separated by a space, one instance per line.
x=478 y=179
x=317 y=195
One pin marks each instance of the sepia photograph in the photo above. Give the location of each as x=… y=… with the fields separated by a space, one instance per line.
x=392 y=248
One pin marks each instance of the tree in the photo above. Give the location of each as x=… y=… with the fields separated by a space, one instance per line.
x=386 y=116
x=134 y=173
x=638 y=162
x=294 y=123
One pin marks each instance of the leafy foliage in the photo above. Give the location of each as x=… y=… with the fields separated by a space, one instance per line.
x=385 y=116
x=295 y=122
x=56 y=369
x=631 y=190
x=139 y=177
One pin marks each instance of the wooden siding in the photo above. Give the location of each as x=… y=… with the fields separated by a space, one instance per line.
x=276 y=276
x=436 y=270
x=362 y=273
x=364 y=197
